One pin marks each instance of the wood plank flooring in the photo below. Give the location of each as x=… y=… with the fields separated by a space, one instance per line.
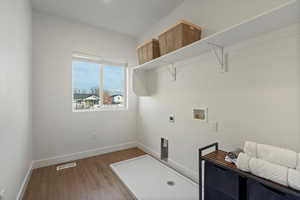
x=92 y=179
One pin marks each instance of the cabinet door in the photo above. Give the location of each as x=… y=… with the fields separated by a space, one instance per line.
x=222 y=180
x=257 y=191
x=212 y=194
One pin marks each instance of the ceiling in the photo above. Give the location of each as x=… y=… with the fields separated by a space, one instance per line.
x=132 y=17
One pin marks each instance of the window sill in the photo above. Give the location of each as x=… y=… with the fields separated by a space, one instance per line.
x=108 y=108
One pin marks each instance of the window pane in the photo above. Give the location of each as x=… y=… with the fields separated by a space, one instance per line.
x=113 y=85
x=86 y=84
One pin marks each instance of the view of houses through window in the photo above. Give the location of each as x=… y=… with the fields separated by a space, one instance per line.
x=97 y=86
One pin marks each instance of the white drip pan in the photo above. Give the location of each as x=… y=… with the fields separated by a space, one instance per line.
x=149 y=179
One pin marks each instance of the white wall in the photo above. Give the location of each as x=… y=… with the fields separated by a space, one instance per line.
x=15 y=94
x=212 y=15
x=57 y=130
x=258 y=99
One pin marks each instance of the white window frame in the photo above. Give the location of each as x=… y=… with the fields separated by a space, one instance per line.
x=102 y=62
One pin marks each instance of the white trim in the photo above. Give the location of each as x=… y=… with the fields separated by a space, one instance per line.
x=81 y=155
x=171 y=163
x=104 y=108
x=98 y=59
x=25 y=183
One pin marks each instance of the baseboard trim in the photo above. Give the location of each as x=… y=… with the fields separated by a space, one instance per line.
x=25 y=183
x=80 y=155
x=175 y=165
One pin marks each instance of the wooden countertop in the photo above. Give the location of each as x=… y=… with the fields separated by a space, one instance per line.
x=219 y=157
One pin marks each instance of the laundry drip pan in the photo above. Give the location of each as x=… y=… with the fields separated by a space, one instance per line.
x=148 y=179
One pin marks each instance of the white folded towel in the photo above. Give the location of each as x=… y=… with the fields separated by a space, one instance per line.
x=277 y=155
x=298 y=167
x=270 y=171
x=250 y=148
x=294 y=179
x=242 y=162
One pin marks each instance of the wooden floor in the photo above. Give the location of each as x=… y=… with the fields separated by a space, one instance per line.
x=92 y=179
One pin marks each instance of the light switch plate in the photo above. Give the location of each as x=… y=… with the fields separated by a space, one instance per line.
x=213 y=126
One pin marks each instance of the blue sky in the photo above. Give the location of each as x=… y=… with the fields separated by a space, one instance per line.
x=113 y=78
x=86 y=75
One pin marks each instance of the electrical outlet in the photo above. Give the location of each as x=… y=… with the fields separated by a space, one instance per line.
x=172 y=118
x=2 y=193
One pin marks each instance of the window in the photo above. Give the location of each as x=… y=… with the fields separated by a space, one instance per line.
x=98 y=84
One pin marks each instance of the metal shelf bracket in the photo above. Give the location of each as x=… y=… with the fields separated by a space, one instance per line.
x=218 y=51
x=171 y=69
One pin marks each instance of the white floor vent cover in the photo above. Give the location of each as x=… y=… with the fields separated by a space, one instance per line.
x=66 y=166
x=149 y=179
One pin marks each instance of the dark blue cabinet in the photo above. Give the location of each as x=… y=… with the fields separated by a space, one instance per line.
x=225 y=184
x=222 y=181
x=256 y=191
x=211 y=193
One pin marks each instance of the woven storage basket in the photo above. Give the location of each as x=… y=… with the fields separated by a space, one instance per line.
x=181 y=34
x=148 y=51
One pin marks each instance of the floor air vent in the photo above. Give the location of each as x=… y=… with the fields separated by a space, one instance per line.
x=66 y=166
x=171 y=183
